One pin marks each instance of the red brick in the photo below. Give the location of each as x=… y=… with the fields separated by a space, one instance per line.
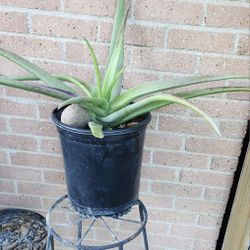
x=153 y=123
x=132 y=78
x=73 y=54
x=50 y=146
x=146 y=156
x=36 y=160
x=89 y=7
x=9 y=107
x=33 y=127
x=176 y=189
x=33 y=4
x=163 y=141
x=222 y=65
x=138 y=35
x=6 y=186
x=185 y=125
x=63 y=27
x=27 y=95
x=200 y=206
x=244 y=96
x=170 y=241
x=210 y=221
x=232 y=129
x=200 y=41
x=194 y=232
x=20 y=201
x=176 y=159
x=169 y=11
x=3 y=157
x=227 y=16
x=163 y=61
x=32 y=47
x=18 y=142
x=54 y=177
x=157 y=201
x=15 y=173
x=172 y=216
x=206 y=178
x=225 y=109
x=174 y=109
x=144 y=186
x=41 y=189
x=157 y=228
x=2 y=124
x=216 y=194
x=243 y=45
x=45 y=110
x=13 y=22
x=158 y=173
x=204 y=245
x=213 y=146
x=224 y=164
x=85 y=73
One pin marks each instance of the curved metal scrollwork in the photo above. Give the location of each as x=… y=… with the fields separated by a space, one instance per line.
x=22 y=229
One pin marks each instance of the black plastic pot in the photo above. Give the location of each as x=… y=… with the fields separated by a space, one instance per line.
x=102 y=175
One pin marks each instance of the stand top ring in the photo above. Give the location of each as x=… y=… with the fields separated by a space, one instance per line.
x=87 y=229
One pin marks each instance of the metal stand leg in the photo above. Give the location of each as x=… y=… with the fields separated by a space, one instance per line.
x=50 y=242
x=144 y=231
x=79 y=234
x=121 y=247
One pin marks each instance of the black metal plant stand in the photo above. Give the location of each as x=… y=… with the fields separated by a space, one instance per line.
x=79 y=231
x=22 y=229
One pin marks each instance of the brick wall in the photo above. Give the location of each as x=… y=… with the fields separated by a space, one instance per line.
x=187 y=170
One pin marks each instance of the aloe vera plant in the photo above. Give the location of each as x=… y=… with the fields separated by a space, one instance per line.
x=106 y=105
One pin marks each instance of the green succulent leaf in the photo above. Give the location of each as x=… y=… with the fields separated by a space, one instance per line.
x=35 y=70
x=96 y=66
x=114 y=82
x=40 y=89
x=88 y=90
x=149 y=104
x=119 y=16
x=96 y=129
x=98 y=106
x=157 y=86
x=116 y=62
x=212 y=91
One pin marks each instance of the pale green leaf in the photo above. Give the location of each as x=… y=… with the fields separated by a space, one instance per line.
x=96 y=129
x=149 y=104
x=35 y=70
x=116 y=61
x=96 y=66
x=156 y=86
x=40 y=89
x=79 y=83
x=96 y=105
x=212 y=91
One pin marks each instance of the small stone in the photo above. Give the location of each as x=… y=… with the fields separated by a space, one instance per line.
x=76 y=116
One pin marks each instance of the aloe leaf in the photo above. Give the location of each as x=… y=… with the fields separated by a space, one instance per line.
x=35 y=70
x=151 y=103
x=44 y=90
x=156 y=86
x=212 y=91
x=81 y=84
x=119 y=16
x=116 y=61
x=91 y=104
x=96 y=66
x=114 y=82
x=96 y=129
x=112 y=67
